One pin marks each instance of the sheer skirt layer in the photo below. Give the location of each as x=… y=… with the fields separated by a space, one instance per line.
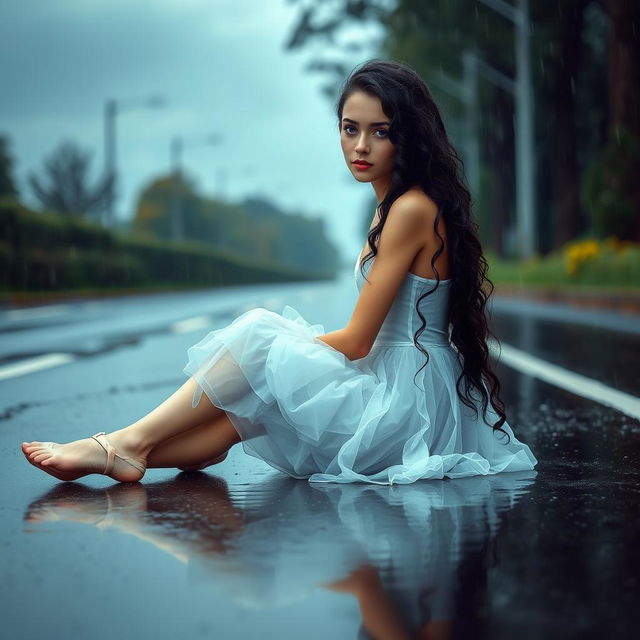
x=306 y=409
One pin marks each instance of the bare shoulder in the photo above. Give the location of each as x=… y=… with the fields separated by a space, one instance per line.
x=420 y=213
x=415 y=206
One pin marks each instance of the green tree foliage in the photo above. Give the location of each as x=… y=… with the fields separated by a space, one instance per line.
x=293 y=238
x=586 y=75
x=612 y=184
x=255 y=228
x=154 y=208
x=47 y=251
x=64 y=187
x=612 y=190
x=7 y=185
x=432 y=37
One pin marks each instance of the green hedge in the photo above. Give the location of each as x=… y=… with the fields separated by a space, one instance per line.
x=42 y=251
x=580 y=263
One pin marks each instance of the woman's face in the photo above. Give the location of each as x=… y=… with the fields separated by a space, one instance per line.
x=364 y=135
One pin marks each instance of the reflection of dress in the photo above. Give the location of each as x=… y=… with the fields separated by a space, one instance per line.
x=306 y=409
x=415 y=536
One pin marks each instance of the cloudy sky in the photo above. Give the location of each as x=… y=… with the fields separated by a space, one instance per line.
x=222 y=68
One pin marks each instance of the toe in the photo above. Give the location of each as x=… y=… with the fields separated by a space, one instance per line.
x=34 y=446
x=33 y=450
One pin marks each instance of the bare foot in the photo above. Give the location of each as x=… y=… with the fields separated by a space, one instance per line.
x=82 y=457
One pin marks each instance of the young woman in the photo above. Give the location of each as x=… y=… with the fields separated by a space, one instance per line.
x=397 y=395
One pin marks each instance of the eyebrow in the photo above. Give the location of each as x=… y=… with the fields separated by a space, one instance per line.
x=373 y=124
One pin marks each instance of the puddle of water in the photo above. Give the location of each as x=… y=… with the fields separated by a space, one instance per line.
x=399 y=553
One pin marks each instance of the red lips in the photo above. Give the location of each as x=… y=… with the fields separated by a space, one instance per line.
x=362 y=162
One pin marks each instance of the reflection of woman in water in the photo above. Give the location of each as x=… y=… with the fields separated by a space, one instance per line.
x=414 y=557
x=400 y=393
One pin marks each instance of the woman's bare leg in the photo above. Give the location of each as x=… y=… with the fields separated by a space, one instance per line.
x=172 y=417
x=196 y=446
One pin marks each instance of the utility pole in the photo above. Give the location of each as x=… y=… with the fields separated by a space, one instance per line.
x=472 y=142
x=177 y=227
x=524 y=133
x=110 y=113
x=467 y=92
x=524 y=122
x=112 y=108
x=176 y=204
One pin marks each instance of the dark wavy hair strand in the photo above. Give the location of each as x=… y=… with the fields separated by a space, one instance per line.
x=426 y=157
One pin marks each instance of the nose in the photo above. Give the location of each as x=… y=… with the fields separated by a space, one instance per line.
x=361 y=145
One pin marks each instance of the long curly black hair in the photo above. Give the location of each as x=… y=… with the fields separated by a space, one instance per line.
x=425 y=157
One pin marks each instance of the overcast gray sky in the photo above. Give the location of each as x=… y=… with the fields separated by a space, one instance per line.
x=222 y=68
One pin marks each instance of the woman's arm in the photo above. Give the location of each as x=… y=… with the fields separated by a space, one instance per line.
x=343 y=341
x=399 y=243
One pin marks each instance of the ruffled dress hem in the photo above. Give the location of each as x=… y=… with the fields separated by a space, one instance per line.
x=307 y=410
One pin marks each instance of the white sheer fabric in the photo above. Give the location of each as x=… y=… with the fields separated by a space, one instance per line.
x=306 y=409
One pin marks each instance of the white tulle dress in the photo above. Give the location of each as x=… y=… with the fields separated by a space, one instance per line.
x=306 y=409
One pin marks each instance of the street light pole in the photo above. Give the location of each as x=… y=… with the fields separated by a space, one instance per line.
x=177 y=229
x=467 y=92
x=176 y=205
x=524 y=134
x=525 y=161
x=472 y=143
x=110 y=113
x=111 y=110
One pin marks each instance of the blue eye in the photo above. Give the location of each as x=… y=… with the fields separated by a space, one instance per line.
x=383 y=131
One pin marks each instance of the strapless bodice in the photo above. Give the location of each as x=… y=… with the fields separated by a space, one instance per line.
x=403 y=320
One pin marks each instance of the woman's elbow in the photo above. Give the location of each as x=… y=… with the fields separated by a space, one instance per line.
x=360 y=350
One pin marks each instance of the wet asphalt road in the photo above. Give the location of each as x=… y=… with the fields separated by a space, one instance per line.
x=242 y=551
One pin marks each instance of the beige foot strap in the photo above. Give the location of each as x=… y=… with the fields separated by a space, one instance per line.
x=108 y=447
x=111 y=454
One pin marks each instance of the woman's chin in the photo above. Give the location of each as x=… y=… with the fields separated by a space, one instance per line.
x=361 y=178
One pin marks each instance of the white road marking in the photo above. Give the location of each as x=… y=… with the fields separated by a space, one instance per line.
x=190 y=324
x=568 y=380
x=31 y=365
x=512 y=357
x=36 y=312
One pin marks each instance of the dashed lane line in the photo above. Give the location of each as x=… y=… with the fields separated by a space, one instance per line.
x=35 y=312
x=191 y=324
x=31 y=365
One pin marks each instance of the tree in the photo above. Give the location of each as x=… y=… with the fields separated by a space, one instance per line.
x=155 y=208
x=616 y=203
x=560 y=51
x=624 y=61
x=68 y=191
x=7 y=185
x=580 y=99
x=430 y=36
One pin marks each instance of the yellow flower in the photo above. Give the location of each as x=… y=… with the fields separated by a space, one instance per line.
x=579 y=252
